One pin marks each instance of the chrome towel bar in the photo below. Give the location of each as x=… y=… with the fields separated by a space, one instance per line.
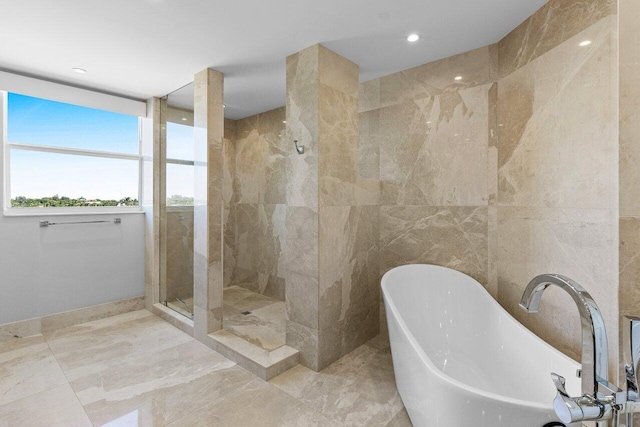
x=47 y=223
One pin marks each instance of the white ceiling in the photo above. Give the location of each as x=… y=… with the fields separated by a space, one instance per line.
x=145 y=48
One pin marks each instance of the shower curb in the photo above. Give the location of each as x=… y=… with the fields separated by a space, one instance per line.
x=262 y=363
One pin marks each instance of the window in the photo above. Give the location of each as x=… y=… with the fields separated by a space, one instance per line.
x=180 y=171
x=66 y=156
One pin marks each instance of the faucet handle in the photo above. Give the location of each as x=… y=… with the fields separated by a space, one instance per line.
x=567 y=409
x=586 y=408
x=631 y=339
x=559 y=382
x=610 y=392
x=632 y=383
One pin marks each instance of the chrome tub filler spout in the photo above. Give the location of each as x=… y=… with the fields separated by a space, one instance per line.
x=601 y=401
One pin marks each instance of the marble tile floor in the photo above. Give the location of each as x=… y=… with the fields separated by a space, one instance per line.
x=137 y=370
x=264 y=326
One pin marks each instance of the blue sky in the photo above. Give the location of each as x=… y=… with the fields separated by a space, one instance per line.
x=43 y=122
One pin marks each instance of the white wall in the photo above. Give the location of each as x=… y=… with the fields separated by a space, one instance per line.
x=50 y=270
x=55 y=269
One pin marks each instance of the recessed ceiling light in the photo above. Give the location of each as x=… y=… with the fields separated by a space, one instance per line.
x=284 y=121
x=413 y=38
x=585 y=43
x=458 y=78
x=184 y=119
x=80 y=70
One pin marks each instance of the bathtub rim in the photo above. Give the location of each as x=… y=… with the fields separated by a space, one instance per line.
x=444 y=377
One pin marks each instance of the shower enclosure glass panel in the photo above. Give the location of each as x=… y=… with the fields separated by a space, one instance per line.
x=177 y=265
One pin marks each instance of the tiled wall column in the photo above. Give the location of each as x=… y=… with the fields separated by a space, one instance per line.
x=208 y=209
x=161 y=200
x=332 y=227
x=348 y=234
x=151 y=198
x=301 y=248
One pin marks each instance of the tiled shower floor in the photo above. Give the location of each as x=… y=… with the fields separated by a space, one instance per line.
x=263 y=321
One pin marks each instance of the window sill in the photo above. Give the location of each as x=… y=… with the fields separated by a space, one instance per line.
x=22 y=212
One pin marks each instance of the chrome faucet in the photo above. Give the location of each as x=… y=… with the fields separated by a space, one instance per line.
x=600 y=400
x=595 y=360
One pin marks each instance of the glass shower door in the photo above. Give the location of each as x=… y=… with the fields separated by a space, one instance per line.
x=177 y=276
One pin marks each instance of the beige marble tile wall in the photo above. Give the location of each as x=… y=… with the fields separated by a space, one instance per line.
x=558 y=165
x=259 y=204
x=553 y=24
x=428 y=135
x=629 y=128
x=332 y=218
x=510 y=171
x=179 y=258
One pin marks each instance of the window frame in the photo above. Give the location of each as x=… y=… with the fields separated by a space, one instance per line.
x=7 y=145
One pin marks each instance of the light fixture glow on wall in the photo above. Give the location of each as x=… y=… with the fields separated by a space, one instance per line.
x=457 y=78
x=585 y=43
x=80 y=70
x=412 y=38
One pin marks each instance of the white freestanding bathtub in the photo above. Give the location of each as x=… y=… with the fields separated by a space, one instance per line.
x=461 y=360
